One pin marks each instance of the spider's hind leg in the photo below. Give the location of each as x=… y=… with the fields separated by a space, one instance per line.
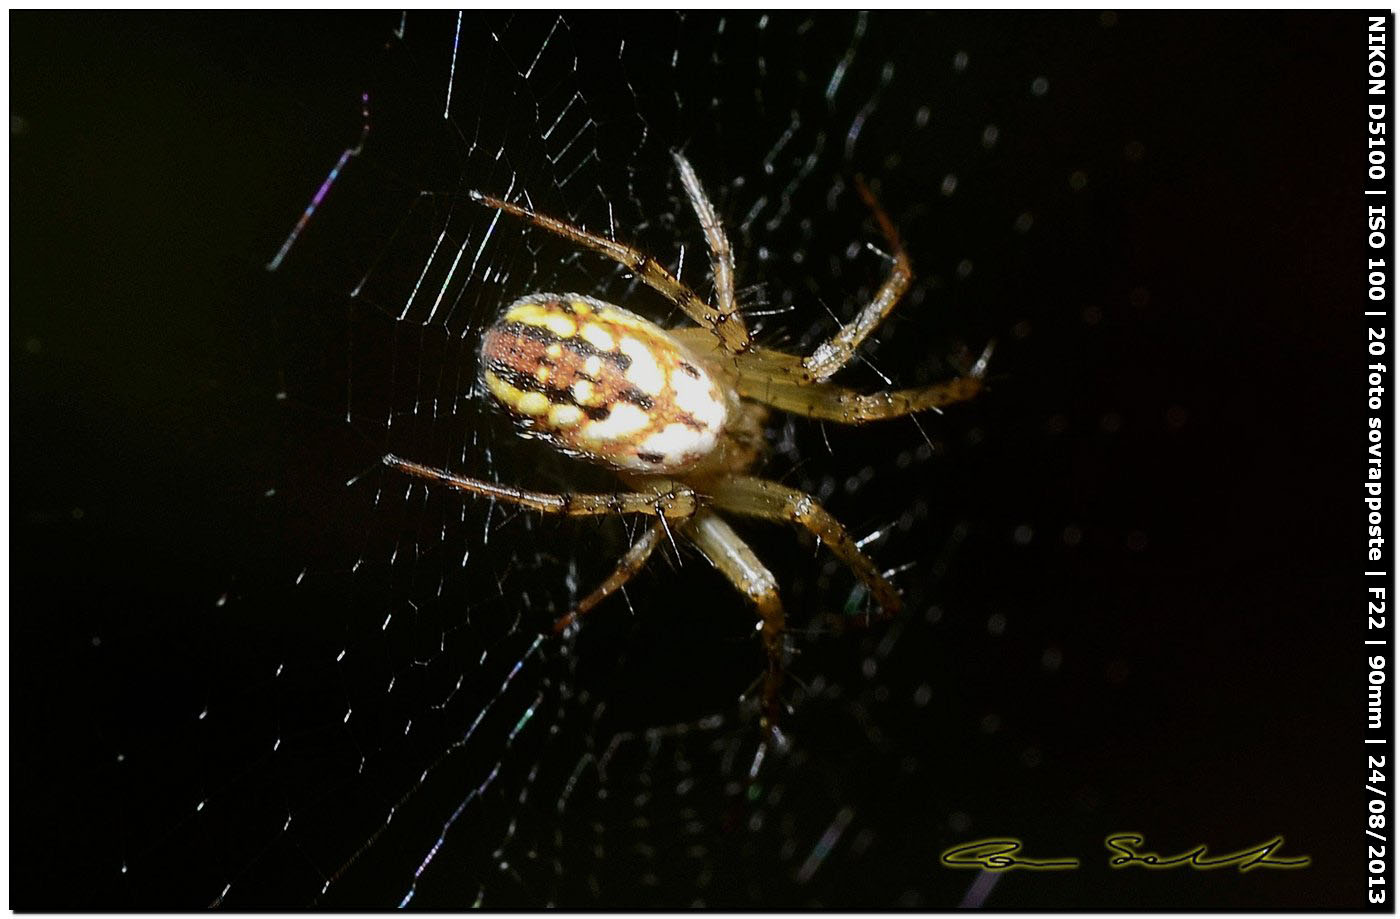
x=627 y=567
x=666 y=499
x=725 y=322
x=721 y=255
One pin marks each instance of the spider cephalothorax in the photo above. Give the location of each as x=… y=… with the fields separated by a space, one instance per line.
x=678 y=413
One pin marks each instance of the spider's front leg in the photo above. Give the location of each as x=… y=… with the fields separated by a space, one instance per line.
x=830 y=402
x=669 y=500
x=718 y=542
x=780 y=380
x=837 y=351
x=756 y=497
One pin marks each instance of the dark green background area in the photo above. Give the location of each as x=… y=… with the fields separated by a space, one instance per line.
x=1135 y=564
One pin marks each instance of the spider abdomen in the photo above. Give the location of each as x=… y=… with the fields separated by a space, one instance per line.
x=603 y=383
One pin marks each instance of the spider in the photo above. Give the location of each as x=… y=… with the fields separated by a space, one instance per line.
x=679 y=413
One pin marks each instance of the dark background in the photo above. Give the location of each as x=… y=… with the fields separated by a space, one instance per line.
x=1134 y=564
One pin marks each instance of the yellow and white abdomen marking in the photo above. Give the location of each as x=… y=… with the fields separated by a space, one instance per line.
x=601 y=382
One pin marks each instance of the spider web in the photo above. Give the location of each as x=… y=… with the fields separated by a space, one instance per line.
x=384 y=719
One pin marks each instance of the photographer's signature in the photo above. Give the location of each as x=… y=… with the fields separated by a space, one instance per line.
x=1127 y=849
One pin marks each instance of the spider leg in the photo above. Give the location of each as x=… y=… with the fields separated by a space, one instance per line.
x=724 y=322
x=834 y=353
x=756 y=497
x=718 y=542
x=780 y=380
x=631 y=563
x=847 y=406
x=721 y=255
x=677 y=502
